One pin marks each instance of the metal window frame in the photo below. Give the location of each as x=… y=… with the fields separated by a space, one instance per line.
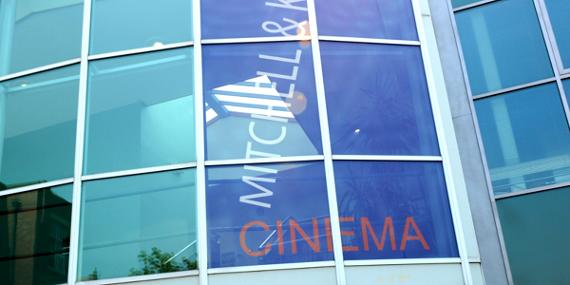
x=453 y=170
x=201 y=214
x=327 y=145
x=472 y=5
x=553 y=52
x=272 y=267
x=441 y=115
x=73 y=261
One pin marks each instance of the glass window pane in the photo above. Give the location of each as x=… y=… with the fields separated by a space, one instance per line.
x=503 y=45
x=270 y=18
x=260 y=101
x=387 y=19
x=37 y=126
x=459 y=3
x=382 y=94
x=394 y=210
x=36 y=33
x=566 y=84
x=141 y=111
x=137 y=225
x=126 y=24
x=536 y=236
x=558 y=10
x=267 y=214
x=34 y=236
x=526 y=138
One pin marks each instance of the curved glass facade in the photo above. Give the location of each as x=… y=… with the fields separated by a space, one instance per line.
x=213 y=140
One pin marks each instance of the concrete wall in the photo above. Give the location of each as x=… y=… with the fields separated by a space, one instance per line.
x=492 y=259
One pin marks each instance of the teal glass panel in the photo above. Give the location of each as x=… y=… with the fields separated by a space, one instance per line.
x=140 y=111
x=34 y=236
x=503 y=45
x=558 y=10
x=138 y=225
x=536 y=236
x=526 y=138
x=127 y=24
x=460 y=3
x=37 y=127
x=35 y=33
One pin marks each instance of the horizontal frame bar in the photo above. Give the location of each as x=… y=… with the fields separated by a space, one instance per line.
x=140 y=50
x=566 y=74
x=205 y=42
x=138 y=171
x=406 y=261
x=230 y=162
x=29 y=188
x=255 y=40
x=473 y=5
x=40 y=69
x=150 y=277
x=533 y=190
x=272 y=267
x=388 y=157
x=515 y=88
x=369 y=40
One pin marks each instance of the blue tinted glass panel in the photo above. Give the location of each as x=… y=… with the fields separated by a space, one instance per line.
x=503 y=45
x=34 y=236
x=271 y=18
x=566 y=84
x=382 y=94
x=126 y=24
x=394 y=210
x=37 y=127
x=260 y=101
x=266 y=214
x=558 y=10
x=36 y=33
x=526 y=138
x=141 y=111
x=387 y=19
x=138 y=225
x=536 y=236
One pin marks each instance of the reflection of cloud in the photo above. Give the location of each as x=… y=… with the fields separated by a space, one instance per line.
x=256 y=96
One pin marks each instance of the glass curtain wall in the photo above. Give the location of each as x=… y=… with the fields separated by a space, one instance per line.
x=292 y=121
x=516 y=57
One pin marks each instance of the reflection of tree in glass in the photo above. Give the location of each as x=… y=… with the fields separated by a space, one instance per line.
x=161 y=262
x=94 y=275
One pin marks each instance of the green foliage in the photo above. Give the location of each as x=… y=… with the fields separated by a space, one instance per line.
x=157 y=262
x=94 y=275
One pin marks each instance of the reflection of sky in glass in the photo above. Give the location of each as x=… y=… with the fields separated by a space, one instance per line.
x=263 y=105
